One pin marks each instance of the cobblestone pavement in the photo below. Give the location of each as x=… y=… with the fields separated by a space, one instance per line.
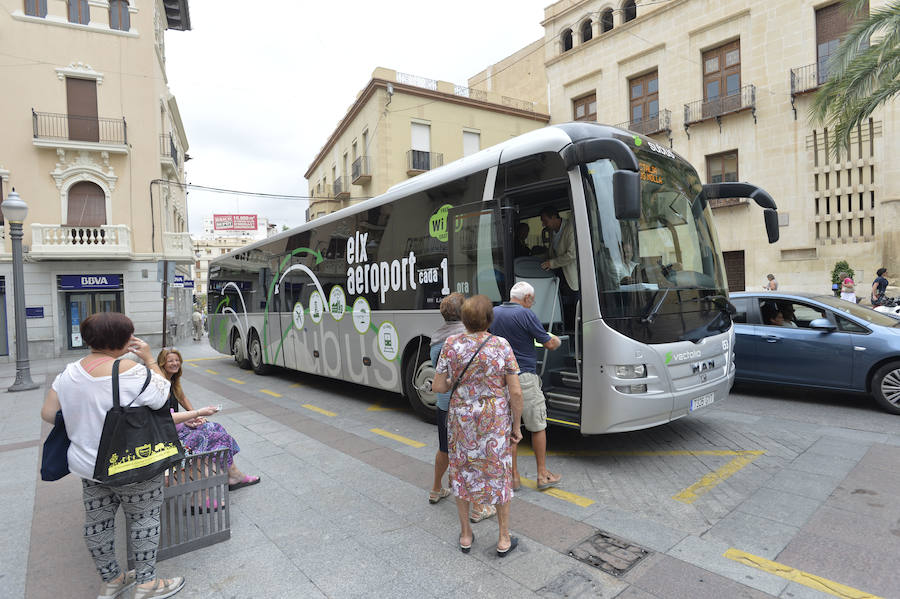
x=766 y=494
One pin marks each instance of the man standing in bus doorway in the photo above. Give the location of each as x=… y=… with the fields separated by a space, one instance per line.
x=514 y=321
x=563 y=258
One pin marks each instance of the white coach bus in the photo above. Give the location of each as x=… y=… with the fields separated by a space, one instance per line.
x=354 y=295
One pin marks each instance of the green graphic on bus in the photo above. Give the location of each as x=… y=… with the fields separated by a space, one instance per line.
x=437 y=226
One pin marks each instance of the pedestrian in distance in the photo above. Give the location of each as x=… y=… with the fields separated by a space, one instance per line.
x=563 y=258
x=450 y=310
x=771 y=283
x=198 y=434
x=848 y=289
x=83 y=391
x=515 y=322
x=483 y=419
x=197 y=323
x=879 y=285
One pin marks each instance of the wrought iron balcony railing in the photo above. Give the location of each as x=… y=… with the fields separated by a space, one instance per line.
x=70 y=127
x=359 y=171
x=420 y=160
x=167 y=147
x=655 y=123
x=713 y=108
x=341 y=188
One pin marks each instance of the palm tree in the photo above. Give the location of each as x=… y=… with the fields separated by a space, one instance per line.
x=861 y=75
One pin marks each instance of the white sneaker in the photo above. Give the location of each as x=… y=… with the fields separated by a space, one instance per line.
x=111 y=590
x=164 y=587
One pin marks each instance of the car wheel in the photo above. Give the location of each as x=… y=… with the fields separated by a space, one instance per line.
x=419 y=372
x=256 y=355
x=886 y=387
x=240 y=355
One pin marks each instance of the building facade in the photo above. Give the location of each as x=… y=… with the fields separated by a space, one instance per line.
x=400 y=126
x=93 y=142
x=728 y=85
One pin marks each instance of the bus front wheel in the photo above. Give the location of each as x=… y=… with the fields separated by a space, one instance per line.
x=239 y=353
x=419 y=373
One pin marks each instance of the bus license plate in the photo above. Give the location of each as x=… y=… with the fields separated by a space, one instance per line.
x=703 y=400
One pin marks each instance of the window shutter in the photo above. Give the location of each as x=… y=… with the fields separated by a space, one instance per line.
x=87 y=205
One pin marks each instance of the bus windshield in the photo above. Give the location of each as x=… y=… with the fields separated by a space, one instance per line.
x=660 y=278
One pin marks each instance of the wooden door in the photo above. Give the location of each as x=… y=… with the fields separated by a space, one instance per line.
x=734 y=270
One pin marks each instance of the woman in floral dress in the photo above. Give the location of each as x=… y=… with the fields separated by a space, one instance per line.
x=482 y=424
x=199 y=435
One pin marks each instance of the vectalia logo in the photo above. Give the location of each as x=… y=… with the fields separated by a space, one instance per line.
x=685 y=355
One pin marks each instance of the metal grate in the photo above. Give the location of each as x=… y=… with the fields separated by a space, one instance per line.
x=612 y=555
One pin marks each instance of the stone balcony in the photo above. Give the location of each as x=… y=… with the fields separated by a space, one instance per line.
x=178 y=247
x=62 y=242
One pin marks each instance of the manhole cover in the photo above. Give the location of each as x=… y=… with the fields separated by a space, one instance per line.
x=608 y=553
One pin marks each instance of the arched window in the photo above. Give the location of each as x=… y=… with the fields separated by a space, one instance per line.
x=606 y=20
x=629 y=11
x=567 y=40
x=586 y=31
x=119 y=18
x=87 y=205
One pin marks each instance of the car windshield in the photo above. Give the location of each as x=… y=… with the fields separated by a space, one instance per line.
x=861 y=312
x=660 y=277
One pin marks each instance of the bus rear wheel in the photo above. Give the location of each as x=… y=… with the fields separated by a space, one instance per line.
x=239 y=353
x=256 y=355
x=419 y=373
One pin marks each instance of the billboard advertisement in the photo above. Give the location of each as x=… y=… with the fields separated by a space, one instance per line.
x=234 y=222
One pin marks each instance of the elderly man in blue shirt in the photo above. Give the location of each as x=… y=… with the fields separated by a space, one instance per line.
x=514 y=321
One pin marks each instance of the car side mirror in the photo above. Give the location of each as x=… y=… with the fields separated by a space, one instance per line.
x=822 y=324
x=627 y=194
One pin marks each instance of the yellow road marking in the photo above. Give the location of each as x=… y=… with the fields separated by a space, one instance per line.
x=194 y=365
x=558 y=493
x=575 y=424
x=712 y=479
x=238 y=381
x=309 y=406
x=202 y=359
x=211 y=371
x=806 y=579
x=692 y=493
x=379 y=408
x=272 y=393
x=296 y=385
x=398 y=438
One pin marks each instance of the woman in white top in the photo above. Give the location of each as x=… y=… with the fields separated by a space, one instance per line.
x=83 y=391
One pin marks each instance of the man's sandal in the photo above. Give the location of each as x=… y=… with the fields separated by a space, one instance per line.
x=435 y=496
x=483 y=514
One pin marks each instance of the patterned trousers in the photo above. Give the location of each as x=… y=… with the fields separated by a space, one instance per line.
x=141 y=503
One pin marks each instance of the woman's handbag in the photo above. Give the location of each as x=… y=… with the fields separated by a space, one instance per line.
x=54 y=459
x=136 y=443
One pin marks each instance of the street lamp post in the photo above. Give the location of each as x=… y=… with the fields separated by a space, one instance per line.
x=14 y=212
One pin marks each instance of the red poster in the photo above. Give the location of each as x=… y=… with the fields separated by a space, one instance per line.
x=234 y=222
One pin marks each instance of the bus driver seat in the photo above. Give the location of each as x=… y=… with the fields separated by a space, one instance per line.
x=547 y=305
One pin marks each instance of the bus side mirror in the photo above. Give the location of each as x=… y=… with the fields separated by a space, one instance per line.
x=771 y=218
x=627 y=194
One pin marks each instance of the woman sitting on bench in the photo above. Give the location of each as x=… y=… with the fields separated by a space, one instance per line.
x=198 y=434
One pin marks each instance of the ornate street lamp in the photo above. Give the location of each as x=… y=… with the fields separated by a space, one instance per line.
x=14 y=212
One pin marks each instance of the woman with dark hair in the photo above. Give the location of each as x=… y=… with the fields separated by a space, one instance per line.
x=198 y=434
x=482 y=424
x=879 y=286
x=83 y=391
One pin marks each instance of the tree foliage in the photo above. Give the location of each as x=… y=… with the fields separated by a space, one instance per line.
x=861 y=75
x=841 y=271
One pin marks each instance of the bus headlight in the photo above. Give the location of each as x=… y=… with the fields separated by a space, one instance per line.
x=631 y=371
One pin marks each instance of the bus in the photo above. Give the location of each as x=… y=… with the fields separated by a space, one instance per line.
x=647 y=337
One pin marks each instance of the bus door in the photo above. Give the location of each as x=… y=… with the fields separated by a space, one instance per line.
x=478 y=246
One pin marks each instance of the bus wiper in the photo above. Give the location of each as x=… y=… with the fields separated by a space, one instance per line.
x=657 y=304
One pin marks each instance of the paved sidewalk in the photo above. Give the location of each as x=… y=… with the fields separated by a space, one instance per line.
x=343 y=513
